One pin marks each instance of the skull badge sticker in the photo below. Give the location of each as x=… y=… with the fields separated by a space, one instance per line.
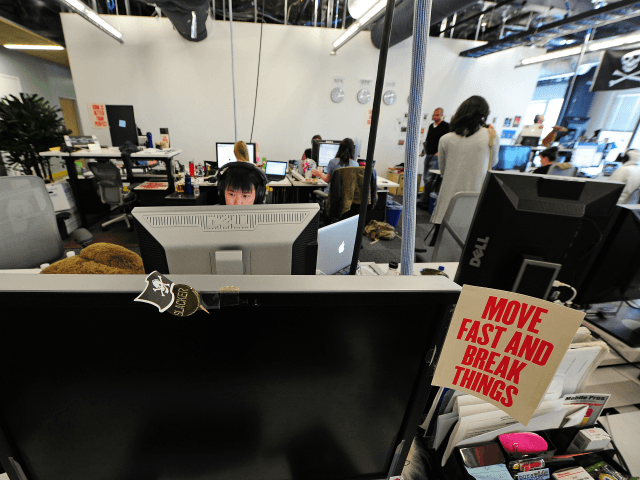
x=179 y=300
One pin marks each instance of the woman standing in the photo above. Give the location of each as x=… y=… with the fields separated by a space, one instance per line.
x=464 y=154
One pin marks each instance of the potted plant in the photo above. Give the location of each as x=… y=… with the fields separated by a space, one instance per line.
x=29 y=125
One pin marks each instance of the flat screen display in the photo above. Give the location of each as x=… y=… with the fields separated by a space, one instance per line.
x=584 y=157
x=276 y=168
x=327 y=152
x=224 y=153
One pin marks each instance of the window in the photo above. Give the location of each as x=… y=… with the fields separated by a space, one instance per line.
x=624 y=112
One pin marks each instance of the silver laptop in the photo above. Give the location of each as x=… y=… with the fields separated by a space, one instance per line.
x=335 y=245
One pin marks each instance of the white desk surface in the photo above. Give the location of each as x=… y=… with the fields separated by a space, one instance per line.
x=115 y=151
x=285 y=182
x=317 y=183
x=385 y=183
x=450 y=268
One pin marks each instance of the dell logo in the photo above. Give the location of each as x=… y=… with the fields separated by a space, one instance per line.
x=341 y=247
x=478 y=253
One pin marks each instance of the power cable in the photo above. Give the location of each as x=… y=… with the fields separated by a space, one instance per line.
x=255 y=102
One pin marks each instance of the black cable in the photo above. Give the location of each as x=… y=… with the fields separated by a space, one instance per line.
x=255 y=102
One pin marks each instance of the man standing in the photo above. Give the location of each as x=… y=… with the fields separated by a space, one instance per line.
x=436 y=130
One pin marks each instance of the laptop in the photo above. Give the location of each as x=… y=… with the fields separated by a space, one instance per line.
x=276 y=171
x=335 y=245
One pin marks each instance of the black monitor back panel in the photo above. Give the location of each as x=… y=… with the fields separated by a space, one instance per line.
x=122 y=125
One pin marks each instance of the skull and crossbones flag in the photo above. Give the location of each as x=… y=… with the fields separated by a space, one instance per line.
x=618 y=70
x=158 y=292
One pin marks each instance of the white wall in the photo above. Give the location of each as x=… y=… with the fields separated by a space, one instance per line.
x=47 y=79
x=187 y=86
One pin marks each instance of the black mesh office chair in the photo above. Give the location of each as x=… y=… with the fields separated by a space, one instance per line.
x=112 y=193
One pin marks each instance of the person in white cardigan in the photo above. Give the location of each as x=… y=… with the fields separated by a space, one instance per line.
x=629 y=174
x=465 y=154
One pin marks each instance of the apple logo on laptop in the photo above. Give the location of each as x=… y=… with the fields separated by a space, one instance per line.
x=341 y=247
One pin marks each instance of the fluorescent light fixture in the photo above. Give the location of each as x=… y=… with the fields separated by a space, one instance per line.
x=33 y=47
x=360 y=24
x=593 y=47
x=86 y=12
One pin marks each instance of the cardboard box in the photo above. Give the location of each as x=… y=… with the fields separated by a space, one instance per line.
x=589 y=440
x=577 y=473
x=72 y=223
x=61 y=196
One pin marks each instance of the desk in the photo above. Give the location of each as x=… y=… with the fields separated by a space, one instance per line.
x=385 y=183
x=152 y=194
x=279 y=190
x=105 y=154
x=307 y=186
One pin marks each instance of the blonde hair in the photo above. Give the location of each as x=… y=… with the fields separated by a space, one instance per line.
x=241 y=151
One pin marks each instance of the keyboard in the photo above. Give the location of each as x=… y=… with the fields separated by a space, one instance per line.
x=275 y=178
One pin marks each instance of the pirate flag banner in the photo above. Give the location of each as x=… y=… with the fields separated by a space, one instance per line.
x=177 y=299
x=618 y=70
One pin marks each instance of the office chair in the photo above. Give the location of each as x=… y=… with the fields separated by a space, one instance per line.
x=29 y=232
x=634 y=198
x=345 y=190
x=111 y=192
x=555 y=169
x=455 y=227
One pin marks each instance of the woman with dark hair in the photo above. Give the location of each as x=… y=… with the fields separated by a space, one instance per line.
x=465 y=154
x=344 y=158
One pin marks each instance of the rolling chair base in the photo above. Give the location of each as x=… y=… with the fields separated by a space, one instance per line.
x=119 y=218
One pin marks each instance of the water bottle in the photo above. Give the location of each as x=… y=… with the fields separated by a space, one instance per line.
x=188 y=188
x=393 y=269
x=192 y=170
x=149 y=140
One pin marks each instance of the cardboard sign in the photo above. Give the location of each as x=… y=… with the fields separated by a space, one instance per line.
x=98 y=116
x=505 y=347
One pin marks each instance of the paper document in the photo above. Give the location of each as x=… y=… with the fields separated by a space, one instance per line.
x=594 y=403
x=578 y=363
x=444 y=424
x=434 y=405
x=492 y=472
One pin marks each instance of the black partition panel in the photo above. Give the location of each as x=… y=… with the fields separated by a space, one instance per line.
x=122 y=125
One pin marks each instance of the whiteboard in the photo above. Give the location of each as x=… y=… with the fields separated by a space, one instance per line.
x=10 y=86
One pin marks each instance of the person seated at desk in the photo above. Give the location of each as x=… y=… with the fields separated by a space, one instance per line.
x=547 y=157
x=241 y=183
x=309 y=151
x=241 y=152
x=628 y=173
x=344 y=158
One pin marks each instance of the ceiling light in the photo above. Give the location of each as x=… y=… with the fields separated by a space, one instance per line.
x=92 y=17
x=33 y=47
x=359 y=25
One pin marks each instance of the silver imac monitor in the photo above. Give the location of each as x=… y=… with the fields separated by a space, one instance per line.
x=229 y=239
x=224 y=153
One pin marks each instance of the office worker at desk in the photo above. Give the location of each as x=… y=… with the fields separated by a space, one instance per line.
x=241 y=152
x=344 y=158
x=628 y=173
x=547 y=157
x=241 y=183
x=308 y=152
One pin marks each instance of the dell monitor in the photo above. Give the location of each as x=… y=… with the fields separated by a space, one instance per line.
x=229 y=239
x=324 y=151
x=514 y=157
x=529 y=230
x=282 y=380
x=586 y=156
x=224 y=153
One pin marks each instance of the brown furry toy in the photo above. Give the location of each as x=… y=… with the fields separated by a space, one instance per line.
x=99 y=258
x=414 y=466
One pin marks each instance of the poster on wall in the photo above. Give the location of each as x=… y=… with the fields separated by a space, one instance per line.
x=618 y=70
x=98 y=115
x=505 y=348
x=516 y=121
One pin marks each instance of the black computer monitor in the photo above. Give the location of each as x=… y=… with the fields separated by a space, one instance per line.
x=282 y=380
x=122 y=125
x=238 y=239
x=577 y=128
x=224 y=153
x=322 y=151
x=615 y=274
x=514 y=157
x=529 y=230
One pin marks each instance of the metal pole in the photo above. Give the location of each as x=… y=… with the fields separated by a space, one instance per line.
x=255 y=11
x=286 y=12
x=375 y=116
x=233 y=73
x=453 y=24
x=315 y=14
x=344 y=14
x=567 y=95
x=478 y=27
x=329 y=13
x=421 y=22
x=127 y=7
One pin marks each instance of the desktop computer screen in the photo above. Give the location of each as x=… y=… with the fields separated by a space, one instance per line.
x=529 y=230
x=324 y=151
x=513 y=157
x=577 y=128
x=283 y=379
x=224 y=153
x=122 y=125
x=585 y=156
x=229 y=239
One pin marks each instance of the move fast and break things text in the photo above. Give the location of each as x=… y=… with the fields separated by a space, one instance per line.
x=495 y=371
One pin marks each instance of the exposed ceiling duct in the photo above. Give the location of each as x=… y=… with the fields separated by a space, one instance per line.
x=187 y=16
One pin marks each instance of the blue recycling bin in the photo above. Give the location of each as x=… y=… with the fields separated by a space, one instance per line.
x=433 y=198
x=394 y=210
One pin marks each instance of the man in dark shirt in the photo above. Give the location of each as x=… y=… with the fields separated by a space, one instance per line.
x=436 y=130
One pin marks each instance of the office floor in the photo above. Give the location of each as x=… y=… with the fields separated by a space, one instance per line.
x=383 y=251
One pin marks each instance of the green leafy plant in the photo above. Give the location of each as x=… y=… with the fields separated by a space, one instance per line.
x=29 y=125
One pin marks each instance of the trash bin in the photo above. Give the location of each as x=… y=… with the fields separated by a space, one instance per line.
x=433 y=198
x=394 y=210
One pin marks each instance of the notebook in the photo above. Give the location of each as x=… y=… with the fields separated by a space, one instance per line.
x=276 y=171
x=335 y=245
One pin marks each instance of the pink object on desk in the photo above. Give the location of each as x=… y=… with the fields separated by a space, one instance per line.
x=523 y=443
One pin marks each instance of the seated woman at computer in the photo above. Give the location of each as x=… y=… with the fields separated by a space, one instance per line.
x=309 y=151
x=547 y=157
x=241 y=151
x=344 y=158
x=241 y=183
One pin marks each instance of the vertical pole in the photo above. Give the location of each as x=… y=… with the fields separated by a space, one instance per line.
x=127 y=7
x=255 y=11
x=344 y=14
x=94 y=4
x=453 y=24
x=233 y=73
x=315 y=14
x=286 y=11
x=375 y=117
x=421 y=22
x=329 y=13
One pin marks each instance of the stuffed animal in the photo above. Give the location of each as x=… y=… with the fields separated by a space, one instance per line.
x=100 y=258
